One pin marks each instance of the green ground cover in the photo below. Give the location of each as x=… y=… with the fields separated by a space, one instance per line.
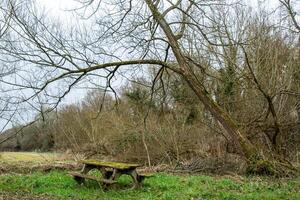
x=59 y=185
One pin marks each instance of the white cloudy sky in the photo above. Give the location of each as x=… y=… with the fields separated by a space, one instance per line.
x=58 y=4
x=67 y=4
x=59 y=8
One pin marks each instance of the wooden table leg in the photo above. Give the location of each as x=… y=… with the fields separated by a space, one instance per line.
x=109 y=175
x=105 y=174
x=135 y=177
x=85 y=169
x=79 y=180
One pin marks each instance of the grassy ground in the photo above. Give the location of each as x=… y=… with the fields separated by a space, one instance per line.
x=59 y=185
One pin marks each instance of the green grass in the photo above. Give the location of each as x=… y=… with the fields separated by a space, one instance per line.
x=59 y=185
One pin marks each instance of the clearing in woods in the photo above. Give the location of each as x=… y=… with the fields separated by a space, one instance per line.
x=11 y=157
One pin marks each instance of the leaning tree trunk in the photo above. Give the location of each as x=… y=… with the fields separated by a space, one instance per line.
x=257 y=164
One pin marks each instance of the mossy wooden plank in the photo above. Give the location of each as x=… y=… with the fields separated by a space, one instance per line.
x=115 y=165
x=76 y=174
x=148 y=175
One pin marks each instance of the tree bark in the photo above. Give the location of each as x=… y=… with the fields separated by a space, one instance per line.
x=218 y=113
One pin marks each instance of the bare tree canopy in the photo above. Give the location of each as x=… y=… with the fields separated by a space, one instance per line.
x=43 y=60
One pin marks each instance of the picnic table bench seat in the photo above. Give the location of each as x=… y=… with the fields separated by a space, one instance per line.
x=144 y=176
x=80 y=178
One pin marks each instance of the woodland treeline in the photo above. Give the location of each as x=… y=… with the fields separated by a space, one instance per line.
x=173 y=81
x=166 y=123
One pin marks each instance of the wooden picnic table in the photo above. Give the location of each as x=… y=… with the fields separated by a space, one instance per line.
x=111 y=172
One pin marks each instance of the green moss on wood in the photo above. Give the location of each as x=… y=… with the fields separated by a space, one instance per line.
x=115 y=165
x=261 y=167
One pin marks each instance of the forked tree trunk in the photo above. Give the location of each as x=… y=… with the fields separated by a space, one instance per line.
x=257 y=164
x=218 y=113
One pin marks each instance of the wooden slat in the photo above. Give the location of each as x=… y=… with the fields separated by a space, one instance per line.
x=115 y=165
x=76 y=174
x=146 y=175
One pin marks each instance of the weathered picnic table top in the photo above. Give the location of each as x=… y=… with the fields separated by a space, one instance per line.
x=115 y=165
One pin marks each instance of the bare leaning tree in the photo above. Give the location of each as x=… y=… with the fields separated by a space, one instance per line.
x=51 y=58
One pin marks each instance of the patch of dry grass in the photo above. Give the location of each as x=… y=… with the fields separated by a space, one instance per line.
x=10 y=157
x=27 y=162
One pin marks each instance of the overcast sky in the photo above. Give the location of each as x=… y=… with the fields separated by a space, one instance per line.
x=62 y=10
x=59 y=5
x=59 y=8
